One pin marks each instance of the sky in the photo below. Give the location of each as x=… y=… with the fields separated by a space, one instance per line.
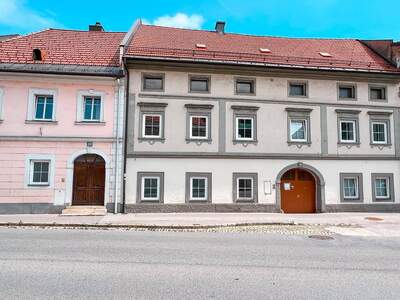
x=364 y=19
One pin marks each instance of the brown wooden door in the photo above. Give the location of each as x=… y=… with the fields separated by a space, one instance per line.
x=89 y=180
x=298 y=192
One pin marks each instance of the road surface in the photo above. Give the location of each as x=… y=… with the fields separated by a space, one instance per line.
x=126 y=264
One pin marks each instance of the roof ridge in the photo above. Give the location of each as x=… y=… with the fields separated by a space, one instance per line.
x=255 y=35
x=25 y=35
x=80 y=30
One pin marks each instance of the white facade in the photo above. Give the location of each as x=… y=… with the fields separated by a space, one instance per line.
x=271 y=150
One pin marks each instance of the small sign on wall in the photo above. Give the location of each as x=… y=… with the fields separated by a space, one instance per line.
x=267 y=187
x=286 y=186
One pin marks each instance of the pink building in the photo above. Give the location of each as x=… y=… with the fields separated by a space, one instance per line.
x=61 y=114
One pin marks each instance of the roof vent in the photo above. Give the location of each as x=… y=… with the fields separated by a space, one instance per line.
x=265 y=50
x=201 y=46
x=37 y=55
x=325 y=54
x=96 y=27
x=220 y=27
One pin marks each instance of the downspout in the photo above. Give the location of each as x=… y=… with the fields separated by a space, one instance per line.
x=125 y=133
x=117 y=141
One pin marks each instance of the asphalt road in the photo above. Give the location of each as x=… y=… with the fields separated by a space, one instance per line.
x=116 y=264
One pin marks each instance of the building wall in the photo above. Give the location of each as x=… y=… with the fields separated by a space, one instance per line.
x=272 y=152
x=62 y=140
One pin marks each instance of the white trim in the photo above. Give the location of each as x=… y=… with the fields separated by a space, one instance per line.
x=1 y=104
x=356 y=186
x=304 y=121
x=354 y=131
x=191 y=126
x=144 y=125
x=237 y=129
x=158 y=188
x=80 y=104
x=70 y=173
x=205 y=188
x=237 y=188
x=386 y=132
x=28 y=170
x=31 y=111
x=387 y=188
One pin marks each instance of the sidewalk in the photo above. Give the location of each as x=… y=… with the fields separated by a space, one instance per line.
x=364 y=224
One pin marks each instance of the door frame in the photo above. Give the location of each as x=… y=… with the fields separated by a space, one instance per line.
x=319 y=189
x=70 y=173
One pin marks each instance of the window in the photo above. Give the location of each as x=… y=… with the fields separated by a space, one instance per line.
x=199 y=84
x=382 y=187
x=39 y=172
x=346 y=91
x=151 y=121
x=298 y=89
x=152 y=125
x=198 y=187
x=244 y=86
x=379 y=132
x=153 y=82
x=351 y=189
x=298 y=130
x=44 y=107
x=347 y=131
x=150 y=187
x=92 y=108
x=245 y=187
x=377 y=93
x=198 y=127
x=244 y=128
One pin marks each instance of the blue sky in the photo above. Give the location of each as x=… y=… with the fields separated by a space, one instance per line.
x=368 y=19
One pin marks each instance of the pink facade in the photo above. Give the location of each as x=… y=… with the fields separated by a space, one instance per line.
x=59 y=141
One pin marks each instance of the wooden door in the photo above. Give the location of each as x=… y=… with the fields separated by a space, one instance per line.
x=89 y=180
x=298 y=192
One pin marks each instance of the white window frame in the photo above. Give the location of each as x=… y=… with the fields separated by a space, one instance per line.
x=237 y=129
x=29 y=160
x=80 y=112
x=144 y=115
x=357 y=189
x=387 y=179
x=237 y=188
x=205 y=192
x=31 y=111
x=84 y=107
x=44 y=108
x=305 y=129
x=354 y=140
x=385 y=124
x=143 y=187
x=191 y=127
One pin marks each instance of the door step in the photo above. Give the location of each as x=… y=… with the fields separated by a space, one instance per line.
x=80 y=210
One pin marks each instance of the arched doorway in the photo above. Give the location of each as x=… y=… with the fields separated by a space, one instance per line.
x=89 y=180
x=298 y=191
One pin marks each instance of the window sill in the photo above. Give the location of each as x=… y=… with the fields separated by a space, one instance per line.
x=245 y=94
x=198 y=201
x=293 y=143
x=297 y=96
x=38 y=185
x=245 y=142
x=90 y=123
x=380 y=145
x=199 y=92
x=341 y=144
x=350 y=201
x=387 y=200
x=250 y=201
x=41 y=122
x=378 y=100
x=198 y=141
x=149 y=201
x=151 y=141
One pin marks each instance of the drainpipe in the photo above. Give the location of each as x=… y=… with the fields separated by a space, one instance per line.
x=125 y=132
x=117 y=141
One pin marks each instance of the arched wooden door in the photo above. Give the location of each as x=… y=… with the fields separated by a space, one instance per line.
x=89 y=180
x=298 y=192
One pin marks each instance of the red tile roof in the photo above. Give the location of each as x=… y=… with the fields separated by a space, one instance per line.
x=173 y=43
x=64 y=47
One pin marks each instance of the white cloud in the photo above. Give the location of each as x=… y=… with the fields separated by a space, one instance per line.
x=179 y=20
x=17 y=15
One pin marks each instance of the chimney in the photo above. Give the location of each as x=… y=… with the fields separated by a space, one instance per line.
x=220 y=27
x=96 y=27
x=396 y=53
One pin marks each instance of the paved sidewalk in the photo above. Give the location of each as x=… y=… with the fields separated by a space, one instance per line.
x=363 y=224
